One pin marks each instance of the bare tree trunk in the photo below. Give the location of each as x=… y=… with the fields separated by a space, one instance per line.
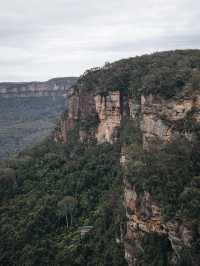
x=67 y=221
x=121 y=232
x=71 y=217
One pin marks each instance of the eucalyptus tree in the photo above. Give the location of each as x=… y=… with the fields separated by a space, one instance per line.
x=66 y=208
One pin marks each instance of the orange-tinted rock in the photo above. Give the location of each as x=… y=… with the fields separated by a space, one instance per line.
x=109 y=113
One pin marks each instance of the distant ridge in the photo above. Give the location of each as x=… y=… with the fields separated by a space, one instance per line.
x=52 y=87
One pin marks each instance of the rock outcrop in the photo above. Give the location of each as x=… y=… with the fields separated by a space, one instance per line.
x=108 y=109
x=103 y=112
x=160 y=119
x=144 y=217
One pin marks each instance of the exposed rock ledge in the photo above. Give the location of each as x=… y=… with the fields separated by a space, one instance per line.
x=144 y=217
x=83 y=107
x=159 y=117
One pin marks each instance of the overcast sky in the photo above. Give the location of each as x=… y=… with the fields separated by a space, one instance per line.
x=42 y=39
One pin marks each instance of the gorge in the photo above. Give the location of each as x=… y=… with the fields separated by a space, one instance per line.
x=29 y=111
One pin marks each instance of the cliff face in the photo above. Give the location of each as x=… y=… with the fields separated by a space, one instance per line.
x=160 y=119
x=53 y=87
x=144 y=218
x=99 y=114
x=104 y=111
x=109 y=113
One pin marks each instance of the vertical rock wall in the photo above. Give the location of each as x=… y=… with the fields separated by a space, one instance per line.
x=160 y=119
x=109 y=112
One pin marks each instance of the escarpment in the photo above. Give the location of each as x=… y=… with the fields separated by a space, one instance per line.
x=52 y=87
x=159 y=95
x=94 y=116
x=100 y=116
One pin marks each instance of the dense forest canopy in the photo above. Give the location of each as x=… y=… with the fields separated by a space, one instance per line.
x=53 y=182
x=164 y=73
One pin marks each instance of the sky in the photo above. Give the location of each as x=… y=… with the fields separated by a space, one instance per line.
x=42 y=39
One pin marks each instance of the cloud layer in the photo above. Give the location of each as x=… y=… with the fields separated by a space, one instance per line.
x=49 y=38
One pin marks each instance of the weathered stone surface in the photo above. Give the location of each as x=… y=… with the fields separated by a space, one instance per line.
x=85 y=106
x=109 y=113
x=160 y=116
x=144 y=217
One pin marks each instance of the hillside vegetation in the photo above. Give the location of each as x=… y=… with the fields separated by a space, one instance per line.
x=26 y=121
x=164 y=73
x=36 y=194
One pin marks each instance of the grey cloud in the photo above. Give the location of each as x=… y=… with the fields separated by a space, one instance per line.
x=42 y=39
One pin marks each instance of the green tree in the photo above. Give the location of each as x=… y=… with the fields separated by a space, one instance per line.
x=66 y=207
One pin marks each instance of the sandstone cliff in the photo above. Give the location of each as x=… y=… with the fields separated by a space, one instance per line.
x=102 y=113
x=160 y=119
x=144 y=218
x=97 y=107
